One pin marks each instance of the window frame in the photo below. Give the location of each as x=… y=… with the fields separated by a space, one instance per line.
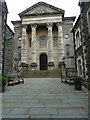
x=67 y=49
x=43 y=41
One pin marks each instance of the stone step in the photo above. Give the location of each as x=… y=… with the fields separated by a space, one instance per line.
x=41 y=74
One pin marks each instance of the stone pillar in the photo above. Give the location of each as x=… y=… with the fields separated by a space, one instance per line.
x=60 y=42
x=24 y=46
x=50 y=46
x=33 y=53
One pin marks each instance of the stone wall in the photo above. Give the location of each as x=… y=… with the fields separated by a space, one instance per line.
x=67 y=27
x=85 y=10
x=3 y=20
x=9 y=51
x=0 y=37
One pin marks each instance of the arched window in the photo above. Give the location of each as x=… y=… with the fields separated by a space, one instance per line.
x=43 y=41
x=67 y=50
x=55 y=41
x=78 y=39
x=19 y=41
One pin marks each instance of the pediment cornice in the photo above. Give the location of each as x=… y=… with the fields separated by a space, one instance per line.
x=41 y=8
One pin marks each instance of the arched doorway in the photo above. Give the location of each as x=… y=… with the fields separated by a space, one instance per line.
x=43 y=62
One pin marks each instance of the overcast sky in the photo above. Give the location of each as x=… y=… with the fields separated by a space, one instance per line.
x=16 y=6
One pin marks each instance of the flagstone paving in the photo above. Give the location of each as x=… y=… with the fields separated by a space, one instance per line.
x=44 y=98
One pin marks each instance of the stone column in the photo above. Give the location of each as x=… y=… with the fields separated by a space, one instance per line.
x=60 y=42
x=50 y=46
x=24 y=45
x=33 y=53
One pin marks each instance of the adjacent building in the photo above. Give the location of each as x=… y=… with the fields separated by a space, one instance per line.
x=6 y=41
x=81 y=31
x=9 y=51
x=3 y=20
x=43 y=38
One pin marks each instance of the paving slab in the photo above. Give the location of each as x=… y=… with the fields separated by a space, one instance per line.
x=45 y=111
x=67 y=116
x=44 y=98
x=32 y=105
x=16 y=116
x=20 y=111
x=74 y=111
x=41 y=116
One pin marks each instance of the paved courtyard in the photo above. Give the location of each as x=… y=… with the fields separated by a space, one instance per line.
x=44 y=98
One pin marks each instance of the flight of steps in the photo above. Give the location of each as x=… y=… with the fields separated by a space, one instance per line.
x=41 y=74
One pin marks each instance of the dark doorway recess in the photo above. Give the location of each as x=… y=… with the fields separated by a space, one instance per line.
x=43 y=62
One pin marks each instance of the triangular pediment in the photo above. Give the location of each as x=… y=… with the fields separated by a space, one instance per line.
x=41 y=8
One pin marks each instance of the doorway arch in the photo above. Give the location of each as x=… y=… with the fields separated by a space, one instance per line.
x=43 y=61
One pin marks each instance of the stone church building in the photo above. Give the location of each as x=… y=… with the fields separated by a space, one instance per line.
x=43 y=38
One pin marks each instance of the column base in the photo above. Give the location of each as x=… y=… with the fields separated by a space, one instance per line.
x=51 y=65
x=33 y=66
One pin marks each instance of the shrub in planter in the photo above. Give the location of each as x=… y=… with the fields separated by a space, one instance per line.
x=3 y=81
x=78 y=82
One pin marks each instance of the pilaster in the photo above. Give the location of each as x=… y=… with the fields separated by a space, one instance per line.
x=50 y=46
x=24 y=45
x=33 y=53
x=60 y=41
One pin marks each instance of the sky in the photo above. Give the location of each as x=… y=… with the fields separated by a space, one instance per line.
x=17 y=6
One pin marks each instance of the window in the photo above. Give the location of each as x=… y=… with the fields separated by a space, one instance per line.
x=67 y=50
x=78 y=40
x=30 y=42
x=19 y=41
x=43 y=42
x=79 y=67
x=89 y=22
x=55 y=41
x=19 y=53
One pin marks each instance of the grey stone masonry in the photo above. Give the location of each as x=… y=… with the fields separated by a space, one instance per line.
x=85 y=31
x=0 y=37
x=9 y=51
x=3 y=20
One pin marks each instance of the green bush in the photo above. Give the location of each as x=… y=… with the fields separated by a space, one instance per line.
x=3 y=80
x=77 y=79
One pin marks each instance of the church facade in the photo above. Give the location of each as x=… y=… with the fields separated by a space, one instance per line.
x=43 y=38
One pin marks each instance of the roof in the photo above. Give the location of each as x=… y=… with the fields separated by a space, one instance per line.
x=70 y=18
x=37 y=5
x=78 y=19
x=16 y=22
x=10 y=30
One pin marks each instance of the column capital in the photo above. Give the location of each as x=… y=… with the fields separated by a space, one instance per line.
x=33 y=25
x=49 y=24
x=59 y=24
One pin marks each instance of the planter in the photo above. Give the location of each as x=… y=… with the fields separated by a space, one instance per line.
x=3 y=88
x=78 y=82
x=78 y=86
x=3 y=82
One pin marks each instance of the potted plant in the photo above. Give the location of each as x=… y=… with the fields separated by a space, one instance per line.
x=3 y=81
x=78 y=82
